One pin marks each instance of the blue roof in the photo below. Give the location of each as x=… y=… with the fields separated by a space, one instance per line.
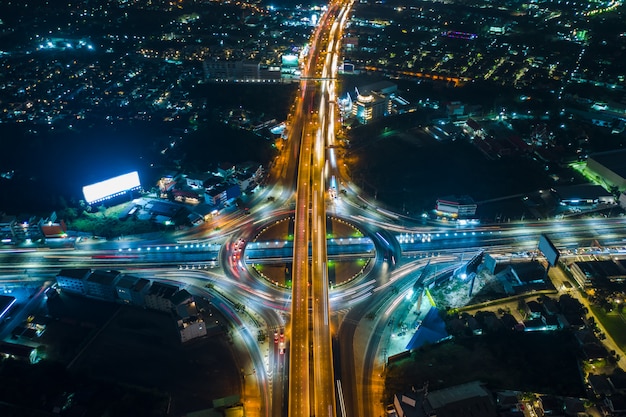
x=432 y=330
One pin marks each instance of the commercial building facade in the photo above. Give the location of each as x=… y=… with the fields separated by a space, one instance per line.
x=457 y=207
x=114 y=286
x=610 y=167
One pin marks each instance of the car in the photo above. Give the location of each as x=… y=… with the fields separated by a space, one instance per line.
x=281 y=348
x=275 y=336
x=282 y=336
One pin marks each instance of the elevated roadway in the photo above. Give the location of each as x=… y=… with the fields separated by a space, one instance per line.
x=310 y=281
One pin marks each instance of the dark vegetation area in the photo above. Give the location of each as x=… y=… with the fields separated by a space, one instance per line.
x=533 y=362
x=103 y=359
x=411 y=174
x=36 y=390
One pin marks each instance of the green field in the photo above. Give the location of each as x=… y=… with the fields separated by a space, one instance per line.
x=614 y=323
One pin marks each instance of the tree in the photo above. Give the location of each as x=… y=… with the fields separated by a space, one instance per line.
x=70 y=213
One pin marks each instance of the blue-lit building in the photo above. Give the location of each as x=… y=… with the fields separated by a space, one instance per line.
x=132 y=290
x=98 y=284
x=221 y=195
x=73 y=280
x=101 y=284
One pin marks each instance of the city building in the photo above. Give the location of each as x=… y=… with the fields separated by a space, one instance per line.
x=101 y=284
x=19 y=352
x=456 y=207
x=190 y=324
x=159 y=297
x=346 y=68
x=225 y=169
x=520 y=276
x=455 y=109
x=600 y=275
x=622 y=200
x=222 y=194
x=165 y=184
x=7 y=229
x=198 y=180
x=160 y=212
x=139 y=291
x=73 y=280
x=51 y=228
x=248 y=175
x=186 y=196
x=373 y=101
x=345 y=105
x=473 y=129
x=181 y=297
x=583 y=194
x=469 y=400
x=350 y=43
x=132 y=290
x=370 y=106
x=533 y=310
x=191 y=327
x=290 y=67
x=123 y=288
x=240 y=70
x=21 y=230
x=610 y=167
x=113 y=286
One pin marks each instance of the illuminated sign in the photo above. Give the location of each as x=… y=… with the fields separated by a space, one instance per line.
x=111 y=188
x=290 y=60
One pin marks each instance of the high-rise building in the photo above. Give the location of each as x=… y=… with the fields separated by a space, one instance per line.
x=373 y=101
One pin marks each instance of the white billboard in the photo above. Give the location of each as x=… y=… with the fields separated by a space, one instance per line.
x=112 y=187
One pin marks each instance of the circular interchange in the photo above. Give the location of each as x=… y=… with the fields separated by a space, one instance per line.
x=339 y=233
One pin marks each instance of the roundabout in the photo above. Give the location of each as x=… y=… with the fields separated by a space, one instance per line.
x=269 y=253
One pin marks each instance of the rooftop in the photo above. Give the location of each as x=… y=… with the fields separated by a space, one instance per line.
x=76 y=273
x=613 y=160
x=103 y=277
x=163 y=290
x=441 y=398
x=126 y=281
x=581 y=191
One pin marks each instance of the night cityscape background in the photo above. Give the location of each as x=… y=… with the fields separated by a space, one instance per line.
x=167 y=167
